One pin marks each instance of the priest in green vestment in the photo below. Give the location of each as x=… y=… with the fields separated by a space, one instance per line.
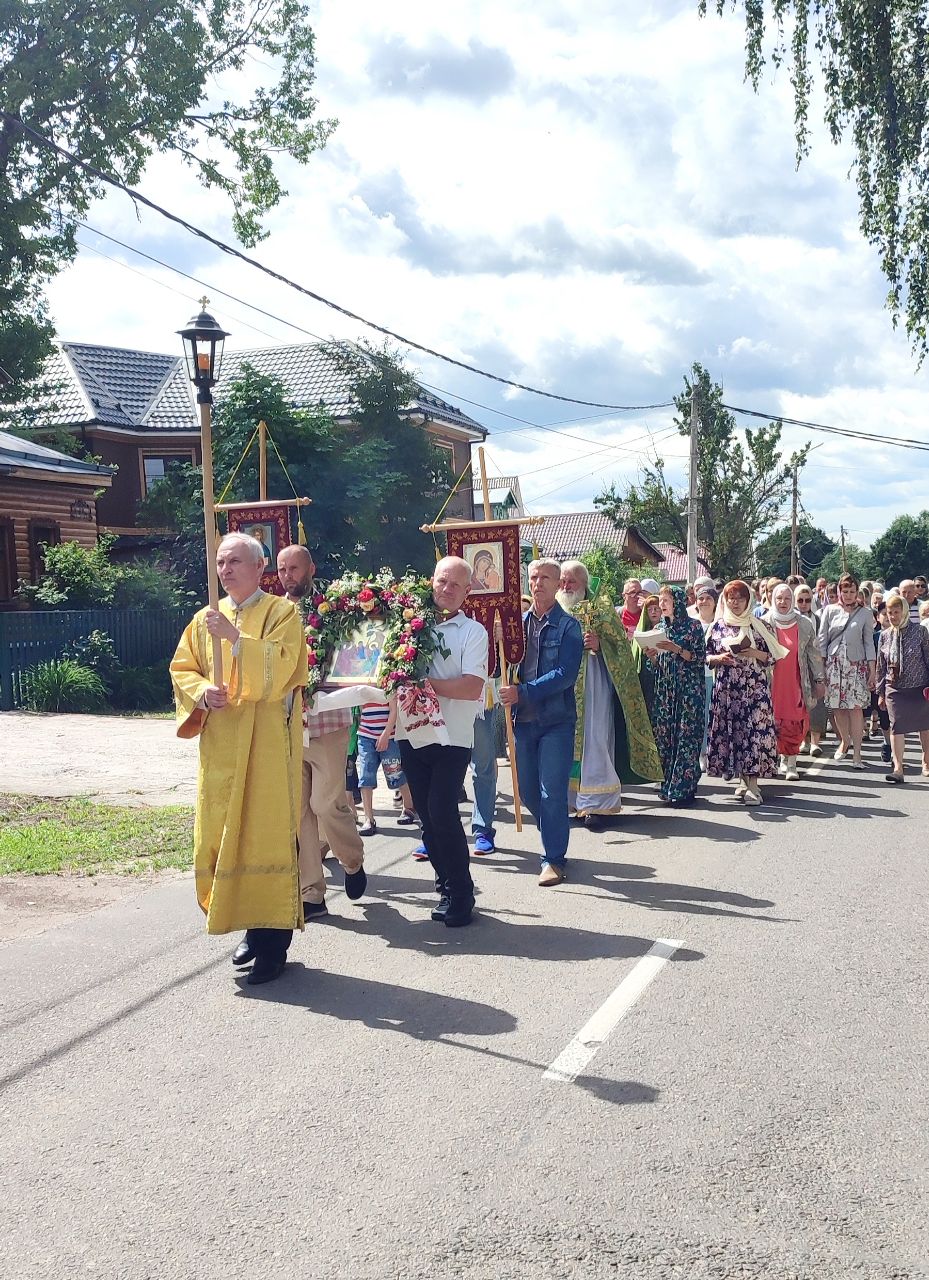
x=250 y=728
x=613 y=742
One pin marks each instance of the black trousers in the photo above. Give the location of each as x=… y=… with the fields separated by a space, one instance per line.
x=436 y=775
x=270 y=944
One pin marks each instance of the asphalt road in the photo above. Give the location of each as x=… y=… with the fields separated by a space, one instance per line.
x=382 y=1110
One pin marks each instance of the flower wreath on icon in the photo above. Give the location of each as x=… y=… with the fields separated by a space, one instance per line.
x=379 y=631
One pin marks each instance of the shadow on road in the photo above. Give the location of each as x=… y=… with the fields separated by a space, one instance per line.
x=491 y=935
x=423 y=1015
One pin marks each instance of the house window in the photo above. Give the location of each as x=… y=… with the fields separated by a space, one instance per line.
x=155 y=466
x=447 y=454
x=8 y=577
x=42 y=534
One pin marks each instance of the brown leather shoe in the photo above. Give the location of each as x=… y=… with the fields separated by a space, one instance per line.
x=550 y=875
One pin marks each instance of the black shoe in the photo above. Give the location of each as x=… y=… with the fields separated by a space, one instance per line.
x=886 y=754
x=593 y=822
x=311 y=909
x=441 y=911
x=243 y=954
x=265 y=970
x=458 y=914
x=355 y=883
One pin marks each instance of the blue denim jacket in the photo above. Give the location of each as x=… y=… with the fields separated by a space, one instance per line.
x=551 y=693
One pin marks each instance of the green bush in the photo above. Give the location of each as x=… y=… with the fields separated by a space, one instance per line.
x=142 y=688
x=62 y=685
x=77 y=577
x=96 y=652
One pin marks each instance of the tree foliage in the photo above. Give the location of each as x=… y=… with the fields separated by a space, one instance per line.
x=117 y=81
x=874 y=70
x=373 y=482
x=773 y=553
x=77 y=577
x=607 y=564
x=902 y=550
x=857 y=561
x=742 y=487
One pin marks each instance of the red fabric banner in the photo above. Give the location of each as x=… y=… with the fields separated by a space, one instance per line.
x=496 y=587
x=271 y=526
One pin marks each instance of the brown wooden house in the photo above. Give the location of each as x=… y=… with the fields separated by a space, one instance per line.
x=45 y=498
x=135 y=410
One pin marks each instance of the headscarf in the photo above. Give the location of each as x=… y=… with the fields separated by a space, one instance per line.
x=680 y=626
x=651 y=586
x=779 y=619
x=746 y=622
x=643 y=624
x=895 y=656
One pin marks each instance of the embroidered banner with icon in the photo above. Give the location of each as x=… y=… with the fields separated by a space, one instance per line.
x=270 y=525
x=493 y=554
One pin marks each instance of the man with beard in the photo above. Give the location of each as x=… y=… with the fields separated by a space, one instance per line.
x=325 y=750
x=613 y=739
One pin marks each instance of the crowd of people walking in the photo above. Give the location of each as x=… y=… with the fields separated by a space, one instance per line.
x=735 y=680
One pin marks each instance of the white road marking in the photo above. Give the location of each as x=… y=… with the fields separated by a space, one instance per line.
x=596 y=1031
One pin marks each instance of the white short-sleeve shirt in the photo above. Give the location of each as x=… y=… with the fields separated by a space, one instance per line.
x=466 y=641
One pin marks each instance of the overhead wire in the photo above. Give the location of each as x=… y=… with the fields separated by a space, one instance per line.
x=233 y=252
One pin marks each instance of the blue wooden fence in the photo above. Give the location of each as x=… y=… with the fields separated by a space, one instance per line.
x=140 y=637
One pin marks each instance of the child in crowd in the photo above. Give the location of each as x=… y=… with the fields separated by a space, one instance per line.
x=376 y=746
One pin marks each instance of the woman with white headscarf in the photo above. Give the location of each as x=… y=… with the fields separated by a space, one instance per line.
x=798 y=679
x=741 y=648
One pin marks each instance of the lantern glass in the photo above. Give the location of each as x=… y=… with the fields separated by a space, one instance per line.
x=203 y=350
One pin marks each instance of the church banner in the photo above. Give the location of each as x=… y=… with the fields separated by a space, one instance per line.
x=270 y=525
x=493 y=554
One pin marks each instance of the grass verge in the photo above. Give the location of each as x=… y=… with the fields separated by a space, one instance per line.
x=42 y=836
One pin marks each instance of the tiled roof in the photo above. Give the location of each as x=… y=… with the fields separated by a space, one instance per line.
x=674 y=563
x=496 y=483
x=118 y=387
x=311 y=378
x=565 y=537
x=150 y=391
x=16 y=453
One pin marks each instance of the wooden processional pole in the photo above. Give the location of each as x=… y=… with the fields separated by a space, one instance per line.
x=263 y=462
x=209 y=529
x=501 y=658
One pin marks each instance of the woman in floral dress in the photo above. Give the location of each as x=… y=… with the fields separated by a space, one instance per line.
x=679 y=698
x=741 y=648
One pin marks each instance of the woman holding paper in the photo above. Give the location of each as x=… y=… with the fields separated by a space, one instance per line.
x=679 y=697
x=741 y=648
x=645 y=637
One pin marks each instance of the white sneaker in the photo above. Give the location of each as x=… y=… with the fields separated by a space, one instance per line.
x=816 y=749
x=740 y=790
x=752 y=796
x=804 y=748
x=840 y=753
x=790 y=769
x=782 y=765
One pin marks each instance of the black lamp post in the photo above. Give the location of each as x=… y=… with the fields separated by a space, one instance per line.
x=203 y=349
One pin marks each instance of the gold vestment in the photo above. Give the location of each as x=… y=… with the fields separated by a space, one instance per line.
x=251 y=761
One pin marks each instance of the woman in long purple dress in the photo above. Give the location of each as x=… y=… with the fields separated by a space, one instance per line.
x=740 y=648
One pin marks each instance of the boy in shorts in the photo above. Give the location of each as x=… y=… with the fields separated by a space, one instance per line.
x=376 y=746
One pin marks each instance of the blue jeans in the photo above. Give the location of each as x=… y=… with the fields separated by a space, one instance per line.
x=544 y=756
x=484 y=776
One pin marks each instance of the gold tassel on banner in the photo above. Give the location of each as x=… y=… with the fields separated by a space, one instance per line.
x=301 y=533
x=536 y=553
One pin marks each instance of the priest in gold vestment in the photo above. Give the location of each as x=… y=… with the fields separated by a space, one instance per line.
x=251 y=758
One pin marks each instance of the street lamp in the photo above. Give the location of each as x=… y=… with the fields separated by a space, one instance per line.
x=203 y=350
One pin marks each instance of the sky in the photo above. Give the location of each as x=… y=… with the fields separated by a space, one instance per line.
x=586 y=202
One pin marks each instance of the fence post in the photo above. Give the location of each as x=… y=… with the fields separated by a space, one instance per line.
x=6 y=668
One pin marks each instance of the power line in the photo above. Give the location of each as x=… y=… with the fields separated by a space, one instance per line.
x=229 y=249
x=875 y=437
x=529 y=424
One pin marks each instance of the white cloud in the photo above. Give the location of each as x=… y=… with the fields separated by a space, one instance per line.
x=584 y=205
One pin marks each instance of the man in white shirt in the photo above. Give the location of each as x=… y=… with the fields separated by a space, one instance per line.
x=436 y=772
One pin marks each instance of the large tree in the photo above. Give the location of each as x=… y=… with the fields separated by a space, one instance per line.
x=114 y=82
x=902 y=550
x=373 y=482
x=874 y=73
x=742 y=486
x=773 y=553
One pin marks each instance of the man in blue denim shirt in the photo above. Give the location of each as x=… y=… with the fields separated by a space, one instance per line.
x=545 y=714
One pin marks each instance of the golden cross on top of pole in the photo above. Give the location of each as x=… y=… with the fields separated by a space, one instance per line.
x=204 y=302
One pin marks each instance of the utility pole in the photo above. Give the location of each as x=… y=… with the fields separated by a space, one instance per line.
x=844 y=561
x=794 y=536
x=693 y=486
